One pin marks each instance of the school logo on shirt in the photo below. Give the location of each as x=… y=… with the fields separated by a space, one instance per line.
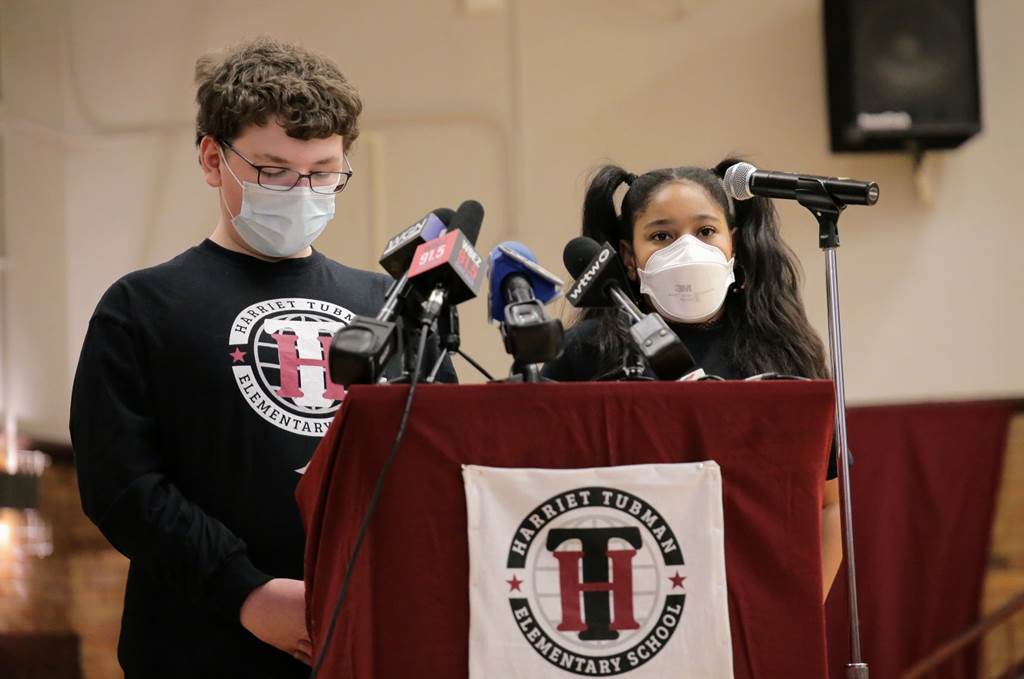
x=278 y=351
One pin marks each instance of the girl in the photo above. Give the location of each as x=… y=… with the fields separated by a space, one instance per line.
x=721 y=276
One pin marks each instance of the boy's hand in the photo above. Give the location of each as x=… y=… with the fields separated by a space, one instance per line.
x=275 y=613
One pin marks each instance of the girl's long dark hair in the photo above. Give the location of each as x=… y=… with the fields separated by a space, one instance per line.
x=771 y=331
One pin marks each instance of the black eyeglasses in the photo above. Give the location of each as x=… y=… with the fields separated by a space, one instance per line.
x=285 y=179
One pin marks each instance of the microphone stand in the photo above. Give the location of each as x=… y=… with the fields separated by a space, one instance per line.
x=813 y=195
x=409 y=330
x=451 y=342
x=633 y=368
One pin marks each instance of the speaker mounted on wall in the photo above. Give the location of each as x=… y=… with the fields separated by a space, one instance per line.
x=902 y=74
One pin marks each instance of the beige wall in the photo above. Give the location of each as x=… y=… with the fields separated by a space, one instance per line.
x=513 y=105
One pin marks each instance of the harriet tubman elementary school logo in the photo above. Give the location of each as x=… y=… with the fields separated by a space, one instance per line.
x=279 y=351
x=597 y=572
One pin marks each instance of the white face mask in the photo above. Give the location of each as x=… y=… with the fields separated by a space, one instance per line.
x=687 y=282
x=280 y=224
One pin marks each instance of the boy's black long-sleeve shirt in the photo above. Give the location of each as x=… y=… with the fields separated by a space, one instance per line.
x=201 y=391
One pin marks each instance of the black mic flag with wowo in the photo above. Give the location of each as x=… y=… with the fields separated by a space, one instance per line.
x=601 y=281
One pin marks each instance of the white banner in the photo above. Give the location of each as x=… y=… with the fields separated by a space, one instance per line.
x=597 y=572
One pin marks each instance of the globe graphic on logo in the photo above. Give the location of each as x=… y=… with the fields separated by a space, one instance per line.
x=312 y=378
x=546 y=597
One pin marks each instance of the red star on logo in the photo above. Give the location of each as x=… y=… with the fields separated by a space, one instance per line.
x=677 y=580
x=237 y=356
x=513 y=584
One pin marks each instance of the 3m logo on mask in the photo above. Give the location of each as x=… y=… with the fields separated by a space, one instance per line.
x=597 y=584
x=278 y=351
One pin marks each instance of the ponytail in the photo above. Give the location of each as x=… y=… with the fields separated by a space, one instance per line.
x=600 y=220
x=603 y=224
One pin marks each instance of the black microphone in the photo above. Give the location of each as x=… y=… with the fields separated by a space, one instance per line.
x=360 y=350
x=743 y=181
x=448 y=270
x=601 y=281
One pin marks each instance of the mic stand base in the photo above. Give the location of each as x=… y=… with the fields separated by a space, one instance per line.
x=530 y=376
x=446 y=353
x=814 y=196
x=857 y=671
x=633 y=369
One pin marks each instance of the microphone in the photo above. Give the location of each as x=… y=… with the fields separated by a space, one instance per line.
x=519 y=288
x=743 y=181
x=510 y=262
x=399 y=252
x=448 y=270
x=601 y=281
x=360 y=350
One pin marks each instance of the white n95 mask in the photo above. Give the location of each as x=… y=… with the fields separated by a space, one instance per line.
x=687 y=282
x=280 y=224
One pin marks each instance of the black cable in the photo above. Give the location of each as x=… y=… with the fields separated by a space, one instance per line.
x=374 y=497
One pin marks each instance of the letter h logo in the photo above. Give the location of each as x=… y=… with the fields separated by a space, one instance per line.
x=606 y=574
x=303 y=360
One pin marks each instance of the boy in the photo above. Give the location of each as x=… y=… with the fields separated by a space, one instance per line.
x=203 y=383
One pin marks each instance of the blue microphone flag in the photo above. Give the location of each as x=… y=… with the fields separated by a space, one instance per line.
x=510 y=258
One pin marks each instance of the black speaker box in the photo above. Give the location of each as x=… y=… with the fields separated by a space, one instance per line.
x=902 y=74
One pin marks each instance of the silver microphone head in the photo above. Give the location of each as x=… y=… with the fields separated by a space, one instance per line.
x=737 y=181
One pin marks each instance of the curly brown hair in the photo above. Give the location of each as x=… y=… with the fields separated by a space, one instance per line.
x=263 y=79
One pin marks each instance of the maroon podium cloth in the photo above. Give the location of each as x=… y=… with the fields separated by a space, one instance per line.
x=407 y=612
x=924 y=483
